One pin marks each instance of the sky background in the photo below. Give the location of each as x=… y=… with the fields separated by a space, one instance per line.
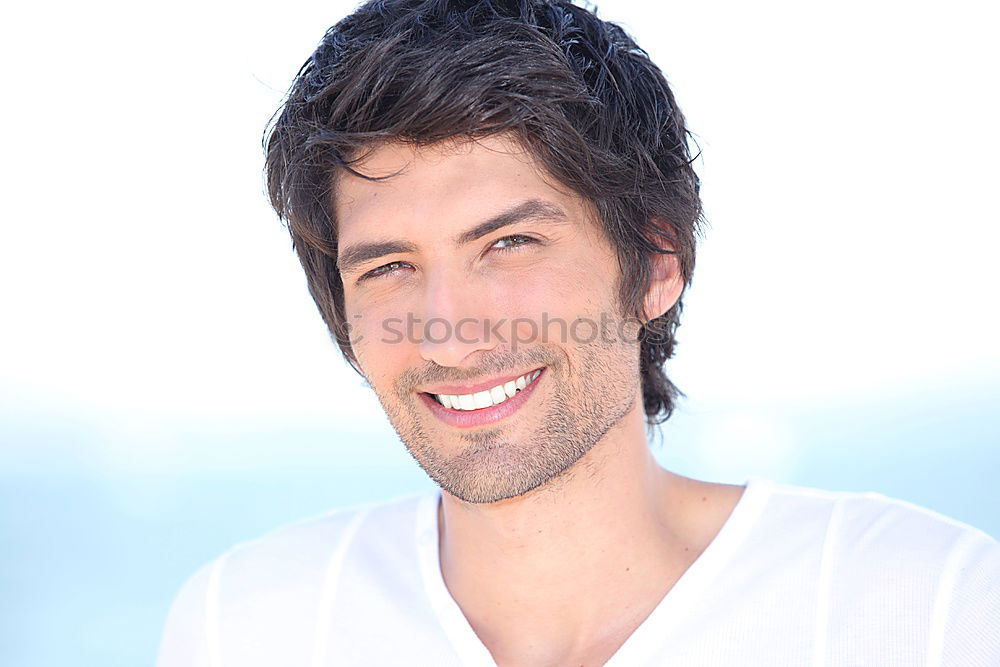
x=167 y=388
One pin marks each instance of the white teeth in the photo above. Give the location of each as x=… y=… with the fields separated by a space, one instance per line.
x=485 y=399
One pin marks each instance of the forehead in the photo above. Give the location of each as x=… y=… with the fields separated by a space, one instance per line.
x=456 y=182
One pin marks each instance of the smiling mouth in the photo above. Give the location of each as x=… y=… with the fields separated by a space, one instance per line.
x=487 y=398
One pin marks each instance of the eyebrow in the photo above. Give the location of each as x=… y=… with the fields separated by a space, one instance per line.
x=533 y=209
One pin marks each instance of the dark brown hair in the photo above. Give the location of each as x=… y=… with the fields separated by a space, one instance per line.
x=576 y=91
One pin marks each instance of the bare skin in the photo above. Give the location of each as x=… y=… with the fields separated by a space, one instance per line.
x=559 y=531
x=564 y=579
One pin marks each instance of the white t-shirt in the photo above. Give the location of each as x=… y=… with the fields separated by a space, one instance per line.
x=795 y=576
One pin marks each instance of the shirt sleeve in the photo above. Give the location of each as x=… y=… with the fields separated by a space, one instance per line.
x=185 y=640
x=971 y=635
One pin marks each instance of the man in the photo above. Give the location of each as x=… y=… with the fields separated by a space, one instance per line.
x=494 y=204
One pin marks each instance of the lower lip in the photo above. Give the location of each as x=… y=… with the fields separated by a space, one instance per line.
x=469 y=418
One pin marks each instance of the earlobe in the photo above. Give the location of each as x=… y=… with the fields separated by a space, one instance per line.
x=665 y=285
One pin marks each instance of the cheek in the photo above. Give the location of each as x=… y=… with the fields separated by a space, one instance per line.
x=566 y=290
x=379 y=339
x=560 y=305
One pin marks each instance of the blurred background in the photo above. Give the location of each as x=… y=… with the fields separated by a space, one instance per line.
x=167 y=388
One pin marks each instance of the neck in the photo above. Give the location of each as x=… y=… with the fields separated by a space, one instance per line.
x=547 y=566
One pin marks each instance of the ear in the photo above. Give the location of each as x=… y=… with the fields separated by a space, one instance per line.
x=665 y=285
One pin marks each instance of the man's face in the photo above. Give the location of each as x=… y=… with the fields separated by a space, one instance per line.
x=464 y=271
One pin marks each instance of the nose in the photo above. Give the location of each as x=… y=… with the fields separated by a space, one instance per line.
x=455 y=321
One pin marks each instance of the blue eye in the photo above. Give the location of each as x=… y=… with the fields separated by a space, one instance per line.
x=514 y=241
x=382 y=270
x=509 y=244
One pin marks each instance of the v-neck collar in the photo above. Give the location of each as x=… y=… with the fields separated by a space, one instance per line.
x=648 y=637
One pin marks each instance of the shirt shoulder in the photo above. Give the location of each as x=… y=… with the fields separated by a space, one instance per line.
x=872 y=524
x=915 y=581
x=273 y=586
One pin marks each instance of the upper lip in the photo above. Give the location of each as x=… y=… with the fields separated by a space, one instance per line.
x=485 y=385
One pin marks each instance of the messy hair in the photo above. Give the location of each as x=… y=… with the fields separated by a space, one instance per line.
x=575 y=91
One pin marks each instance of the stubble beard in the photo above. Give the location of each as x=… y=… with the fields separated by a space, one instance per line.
x=579 y=411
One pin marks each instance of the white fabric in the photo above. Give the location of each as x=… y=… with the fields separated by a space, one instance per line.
x=796 y=576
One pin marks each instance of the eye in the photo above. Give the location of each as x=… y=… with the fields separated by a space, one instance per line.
x=513 y=242
x=382 y=270
x=504 y=244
